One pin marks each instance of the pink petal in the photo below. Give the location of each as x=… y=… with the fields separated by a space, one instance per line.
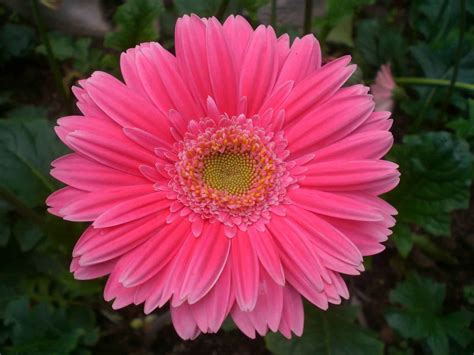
x=211 y=311
x=183 y=322
x=365 y=145
x=85 y=174
x=125 y=106
x=206 y=264
x=90 y=205
x=318 y=87
x=133 y=209
x=221 y=69
x=267 y=253
x=190 y=43
x=304 y=58
x=335 y=205
x=328 y=123
x=147 y=260
x=293 y=314
x=259 y=61
x=245 y=272
x=356 y=175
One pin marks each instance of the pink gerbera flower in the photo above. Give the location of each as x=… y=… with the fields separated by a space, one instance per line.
x=234 y=178
x=383 y=89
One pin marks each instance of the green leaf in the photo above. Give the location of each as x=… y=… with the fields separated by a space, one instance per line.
x=201 y=7
x=15 y=41
x=378 y=44
x=420 y=316
x=42 y=329
x=434 y=18
x=342 y=32
x=27 y=148
x=78 y=50
x=5 y=230
x=464 y=128
x=328 y=332
x=402 y=237
x=28 y=112
x=27 y=234
x=338 y=9
x=137 y=23
x=436 y=175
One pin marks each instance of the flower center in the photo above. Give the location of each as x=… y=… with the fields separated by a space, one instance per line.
x=230 y=172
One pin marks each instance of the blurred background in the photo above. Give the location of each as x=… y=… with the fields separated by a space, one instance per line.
x=417 y=297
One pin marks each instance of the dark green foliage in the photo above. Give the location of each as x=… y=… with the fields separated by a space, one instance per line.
x=332 y=332
x=44 y=310
x=436 y=175
x=15 y=41
x=421 y=315
x=42 y=329
x=27 y=148
x=137 y=23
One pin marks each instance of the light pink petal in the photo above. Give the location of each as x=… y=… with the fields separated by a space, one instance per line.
x=211 y=311
x=267 y=252
x=133 y=209
x=325 y=236
x=108 y=243
x=90 y=205
x=221 y=69
x=268 y=310
x=94 y=271
x=237 y=32
x=245 y=272
x=122 y=155
x=63 y=197
x=128 y=67
x=355 y=175
x=328 y=123
x=183 y=322
x=190 y=43
x=304 y=58
x=208 y=259
x=85 y=174
x=242 y=320
x=147 y=260
x=295 y=253
x=335 y=205
x=365 y=145
x=292 y=319
x=125 y=106
x=158 y=71
x=378 y=121
x=259 y=61
x=318 y=87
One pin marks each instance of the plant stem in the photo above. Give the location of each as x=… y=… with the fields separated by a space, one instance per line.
x=433 y=82
x=457 y=58
x=53 y=63
x=220 y=13
x=20 y=207
x=273 y=14
x=308 y=16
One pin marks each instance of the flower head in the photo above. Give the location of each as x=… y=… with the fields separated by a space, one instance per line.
x=383 y=89
x=235 y=177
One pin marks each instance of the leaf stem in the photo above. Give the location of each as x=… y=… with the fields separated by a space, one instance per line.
x=220 y=13
x=457 y=58
x=434 y=82
x=273 y=15
x=20 y=207
x=53 y=63
x=308 y=15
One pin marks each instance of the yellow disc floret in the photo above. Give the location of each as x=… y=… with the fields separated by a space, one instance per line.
x=230 y=172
